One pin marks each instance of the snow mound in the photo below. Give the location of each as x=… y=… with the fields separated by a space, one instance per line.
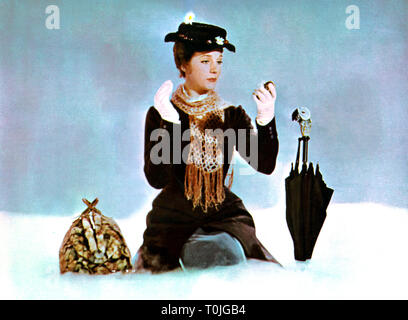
x=360 y=254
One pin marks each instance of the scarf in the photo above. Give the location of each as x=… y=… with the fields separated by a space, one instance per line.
x=203 y=182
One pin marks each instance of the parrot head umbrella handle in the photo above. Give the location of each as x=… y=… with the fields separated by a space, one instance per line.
x=302 y=116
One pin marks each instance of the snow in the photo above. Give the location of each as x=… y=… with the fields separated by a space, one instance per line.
x=361 y=253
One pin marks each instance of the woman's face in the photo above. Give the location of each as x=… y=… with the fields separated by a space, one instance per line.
x=202 y=71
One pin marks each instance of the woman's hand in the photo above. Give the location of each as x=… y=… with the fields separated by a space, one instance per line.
x=163 y=105
x=265 y=102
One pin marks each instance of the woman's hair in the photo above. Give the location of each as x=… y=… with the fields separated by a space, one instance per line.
x=184 y=51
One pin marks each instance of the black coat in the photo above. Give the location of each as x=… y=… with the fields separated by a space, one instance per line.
x=172 y=219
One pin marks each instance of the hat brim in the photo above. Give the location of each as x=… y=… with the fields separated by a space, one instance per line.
x=174 y=37
x=171 y=37
x=229 y=46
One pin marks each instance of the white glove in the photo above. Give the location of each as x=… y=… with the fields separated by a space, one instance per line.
x=163 y=105
x=265 y=102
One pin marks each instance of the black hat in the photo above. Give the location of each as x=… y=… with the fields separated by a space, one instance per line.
x=203 y=36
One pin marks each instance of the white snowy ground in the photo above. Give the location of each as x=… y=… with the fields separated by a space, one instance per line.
x=361 y=253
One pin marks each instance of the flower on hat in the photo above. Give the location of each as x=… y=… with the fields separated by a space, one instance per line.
x=188 y=19
x=219 y=40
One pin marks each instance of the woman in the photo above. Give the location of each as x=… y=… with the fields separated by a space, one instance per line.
x=196 y=221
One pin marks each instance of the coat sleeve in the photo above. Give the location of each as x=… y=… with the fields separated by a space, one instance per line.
x=259 y=149
x=157 y=149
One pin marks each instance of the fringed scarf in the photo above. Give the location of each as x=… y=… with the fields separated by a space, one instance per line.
x=203 y=182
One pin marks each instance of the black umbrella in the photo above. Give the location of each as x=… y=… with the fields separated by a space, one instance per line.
x=307 y=196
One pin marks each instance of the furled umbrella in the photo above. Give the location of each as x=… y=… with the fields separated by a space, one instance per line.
x=307 y=196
